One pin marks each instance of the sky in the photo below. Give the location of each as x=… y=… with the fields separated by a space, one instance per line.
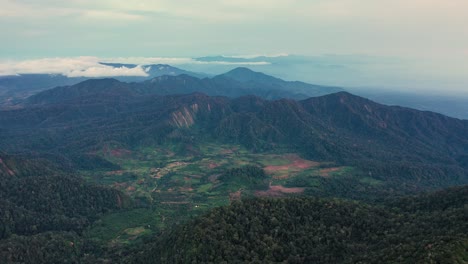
x=428 y=37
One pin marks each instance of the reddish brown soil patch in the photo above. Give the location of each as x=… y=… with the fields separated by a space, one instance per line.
x=304 y=164
x=130 y=189
x=212 y=165
x=118 y=153
x=186 y=189
x=272 y=169
x=279 y=190
x=326 y=172
x=234 y=196
x=281 y=177
x=228 y=151
x=296 y=164
x=176 y=164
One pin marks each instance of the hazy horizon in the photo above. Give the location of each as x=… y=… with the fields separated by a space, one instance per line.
x=398 y=45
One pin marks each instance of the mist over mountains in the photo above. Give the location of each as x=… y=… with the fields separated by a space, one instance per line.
x=288 y=67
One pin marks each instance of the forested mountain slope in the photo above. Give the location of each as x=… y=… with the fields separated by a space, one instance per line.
x=309 y=230
x=401 y=144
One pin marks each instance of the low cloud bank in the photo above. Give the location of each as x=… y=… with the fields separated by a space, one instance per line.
x=92 y=67
x=71 y=67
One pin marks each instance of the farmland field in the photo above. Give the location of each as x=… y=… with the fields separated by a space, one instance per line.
x=171 y=183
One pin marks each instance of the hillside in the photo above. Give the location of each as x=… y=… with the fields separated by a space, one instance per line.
x=44 y=209
x=310 y=230
x=405 y=146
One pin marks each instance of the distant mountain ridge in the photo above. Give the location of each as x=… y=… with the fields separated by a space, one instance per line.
x=239 y=82
x=15 y=88
x=260 y=80
x=153 y=70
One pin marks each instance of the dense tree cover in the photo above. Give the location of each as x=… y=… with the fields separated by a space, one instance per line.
x=22 y=166
x=455 y=197
x=311 y=230
x=251 y=175
x=41 y=248
x=35 y=204
x=51 y=200
x=51 y=248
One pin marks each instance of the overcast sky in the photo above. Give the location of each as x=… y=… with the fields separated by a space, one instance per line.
x=433 y=32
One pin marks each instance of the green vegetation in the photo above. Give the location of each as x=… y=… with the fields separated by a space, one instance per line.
x=310 y=230
x=30 y=205
x=174 y=185
x=155 y=162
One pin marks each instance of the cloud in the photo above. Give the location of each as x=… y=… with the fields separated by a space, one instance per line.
x=256 y=63
x=91 y=66
x=72 y=67
x=176 y=61
x=106 y=71
x=148 y=60
x=254 y=56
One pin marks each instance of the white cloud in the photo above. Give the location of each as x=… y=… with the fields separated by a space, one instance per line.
x=91 y=67
x=256 y=63
x=175 y=61
x=108 y=72
x=72 y=67
x=148 y=60
x=253 y=56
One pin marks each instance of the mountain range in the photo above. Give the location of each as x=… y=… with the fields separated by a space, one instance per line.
x=389 y=143
x=13 y=89
x=238 y=82
x=17 y=87
x=135 y=172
